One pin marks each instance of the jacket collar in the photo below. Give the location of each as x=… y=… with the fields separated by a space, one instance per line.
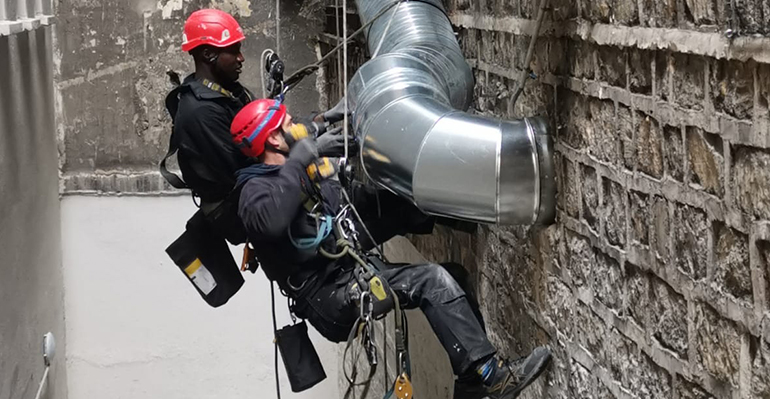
x=206 y=90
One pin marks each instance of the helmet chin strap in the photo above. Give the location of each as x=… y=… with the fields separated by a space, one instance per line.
x=272 y=148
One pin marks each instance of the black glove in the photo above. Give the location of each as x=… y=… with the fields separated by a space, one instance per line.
x=332 y=144
x=304 y=151
x=337 y=113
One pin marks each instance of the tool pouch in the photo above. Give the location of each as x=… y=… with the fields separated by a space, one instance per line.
x=204 y=257
x=225 y=220
x=303 y=366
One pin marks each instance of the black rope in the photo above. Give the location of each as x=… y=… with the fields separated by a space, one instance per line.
x=275 y=342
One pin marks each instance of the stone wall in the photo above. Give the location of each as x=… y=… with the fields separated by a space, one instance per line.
x=654 y=281
x=112 y=58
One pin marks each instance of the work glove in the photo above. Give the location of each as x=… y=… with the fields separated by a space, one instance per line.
x=304 y=152
x=332 y=144
x=296 y=133
x=321 y=169
x=337 y=113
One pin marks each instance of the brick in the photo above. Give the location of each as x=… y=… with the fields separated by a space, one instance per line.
x=590 y=331
x=582 y=59
x=573 y=118
x=705 y=154
x=689 y=390
x=640 y=67
x=718 y=344
x=640 y=218
x=590 y=197
x=606 y=281
x=581 y=259
x=626 y=129
x=690 y=239
x=688 y=80
x=614 y=213
x=763 y=247
x=751 y=181
x=732 y=88
x=561 y=305
x=625 y=12
x=570 y=190
x=660 y=13
x=732 y=268
x=597 y=11
x=700 y=12
x=673 y=152
x=612 y=66
x=760 y=379
x=602 y=138
x=649 y=146
x=668 y=316
x=638 y=294
x=660 y=227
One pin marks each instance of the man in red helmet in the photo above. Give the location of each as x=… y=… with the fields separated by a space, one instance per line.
x=288 y=204
x=203 y=107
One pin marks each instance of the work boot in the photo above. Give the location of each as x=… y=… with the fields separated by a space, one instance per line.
x=505 y=379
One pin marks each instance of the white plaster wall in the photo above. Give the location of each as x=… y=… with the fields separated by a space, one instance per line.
x=137 y=329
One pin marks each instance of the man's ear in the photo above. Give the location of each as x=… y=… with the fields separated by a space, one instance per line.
x=274 y=139
x=209 y=55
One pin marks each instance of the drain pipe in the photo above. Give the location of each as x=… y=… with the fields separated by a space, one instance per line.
x=416 y=139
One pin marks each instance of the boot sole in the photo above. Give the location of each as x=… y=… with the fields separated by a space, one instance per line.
x=529 y=379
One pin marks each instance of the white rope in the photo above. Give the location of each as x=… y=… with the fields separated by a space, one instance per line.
x=345 y=73
x=339 y=60
x=263 y=58
x=387 y=28
x=278 y=26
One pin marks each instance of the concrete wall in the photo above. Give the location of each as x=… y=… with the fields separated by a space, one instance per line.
x=654 y=281
x=136 y=328
x=31 y=283
x=112 y=58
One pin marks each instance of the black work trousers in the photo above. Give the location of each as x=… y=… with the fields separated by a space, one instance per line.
x=430 y=287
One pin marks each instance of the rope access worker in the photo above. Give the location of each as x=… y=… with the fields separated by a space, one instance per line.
x=203 y=107
x=286 y=199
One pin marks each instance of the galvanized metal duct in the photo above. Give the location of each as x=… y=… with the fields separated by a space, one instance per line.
x=408 y=105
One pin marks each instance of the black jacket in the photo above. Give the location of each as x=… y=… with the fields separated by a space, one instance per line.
x=207 y=155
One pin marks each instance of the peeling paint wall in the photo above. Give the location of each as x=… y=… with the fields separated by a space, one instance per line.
x=31 y=290
x=112 y=57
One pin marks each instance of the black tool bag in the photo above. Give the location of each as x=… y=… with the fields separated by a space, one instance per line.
x=204 y=257
x=303 y=366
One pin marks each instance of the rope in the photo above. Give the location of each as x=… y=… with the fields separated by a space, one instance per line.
x=345 y=74
x=385 y=33
x=278 y=26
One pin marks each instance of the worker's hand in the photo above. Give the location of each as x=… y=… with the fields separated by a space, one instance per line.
x=304 y=151
x=332 y=144
x=322 y=169
x=337 y=113
x=296 y=133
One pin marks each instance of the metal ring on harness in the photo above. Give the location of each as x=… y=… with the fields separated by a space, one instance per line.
x=288 y=282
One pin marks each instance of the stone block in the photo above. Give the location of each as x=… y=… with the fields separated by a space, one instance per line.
x=614 y=213
x=601 y=134
x=581 y=259
x=582 y=59
x=573 y=118
x=646 y=379
x=649 y=146
x=691 y=241
x=621 y=355
x=590 y=186
x=562 y=10
x=760 y=379
x=718 y=344
x=598 y=11
x=640 y=217
x=584 y=385
x=751 y=181
x=668 y=315
x=469 y=42
x=660 y=227
x=673 y=152
x=763 y=247
x=560 y=305
x=701 y=12
x=625 y=12
x=663 y=72
x=732 y=88
x=626 y=129
x=637 y=295
x=606 y=281
x=732 y=268
x=612 y=66
x=705 y=153
x=570 y=194
x=591 y=332
x=750 y=16
x=640 y=68
x=487 y=46
x=763 y=80
x=660 y=13
x=689 y=390
x=688 y=80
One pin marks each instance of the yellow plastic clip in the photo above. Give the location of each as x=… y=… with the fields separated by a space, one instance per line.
x=378 y=290
x=403 y=387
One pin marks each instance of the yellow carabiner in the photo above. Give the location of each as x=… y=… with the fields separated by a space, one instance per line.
x=403 y=387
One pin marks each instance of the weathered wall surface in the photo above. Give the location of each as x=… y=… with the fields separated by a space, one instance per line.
x=31 y=293
x=654 y=281
x=112 y=58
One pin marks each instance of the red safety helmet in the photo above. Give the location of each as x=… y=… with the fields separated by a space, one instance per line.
x=254 y=123
x=213 y=27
